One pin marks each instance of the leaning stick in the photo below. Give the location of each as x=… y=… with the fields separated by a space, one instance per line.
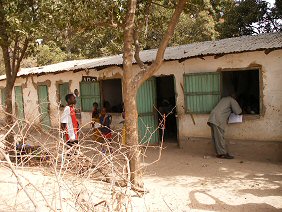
x=192 y=117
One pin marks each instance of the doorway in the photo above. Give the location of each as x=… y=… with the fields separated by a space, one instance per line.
x=166 y=104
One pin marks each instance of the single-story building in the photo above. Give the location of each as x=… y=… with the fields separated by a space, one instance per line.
x=193 y=77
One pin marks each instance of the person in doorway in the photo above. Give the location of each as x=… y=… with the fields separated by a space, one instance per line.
x=77 y=105
x=95 y=114
x=105 y=129
x=69 y=123
x=218 y=121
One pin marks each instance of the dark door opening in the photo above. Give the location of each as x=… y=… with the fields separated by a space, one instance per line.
x=166 y=104
x=112 y=95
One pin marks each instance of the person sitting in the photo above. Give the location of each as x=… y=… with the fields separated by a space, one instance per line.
x=105 y=121
x=95 y=115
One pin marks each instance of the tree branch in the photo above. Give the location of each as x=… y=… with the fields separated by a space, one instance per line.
x=137 y=49
x=14 y=56
x=143 y=75
x=161 y=5
x=147 y=12
x=4 y=41
x=19 y=60
x=128 y=38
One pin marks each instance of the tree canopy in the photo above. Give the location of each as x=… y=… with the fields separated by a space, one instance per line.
x=87 y=29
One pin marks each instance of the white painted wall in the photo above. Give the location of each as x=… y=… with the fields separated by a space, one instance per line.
x=266 y=127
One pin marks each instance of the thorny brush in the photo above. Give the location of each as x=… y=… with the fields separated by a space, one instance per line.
x=83 y=177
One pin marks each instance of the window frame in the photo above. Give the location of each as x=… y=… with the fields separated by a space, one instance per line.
x=246 y=116
x=261 y=106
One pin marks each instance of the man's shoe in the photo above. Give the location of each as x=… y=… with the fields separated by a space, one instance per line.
x=225 y=156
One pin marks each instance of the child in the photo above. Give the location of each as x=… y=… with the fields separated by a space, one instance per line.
x=69 y=123
x=105 y=131
x=105 y=121
x=95 y=114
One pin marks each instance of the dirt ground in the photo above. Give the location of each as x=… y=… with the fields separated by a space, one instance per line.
x=192 y=179
x=188 y=180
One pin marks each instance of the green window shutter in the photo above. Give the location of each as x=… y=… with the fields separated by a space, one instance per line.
x=3 y=96
x=19 y=102
x=202 y=92
x=63 y=91
x=89 y=93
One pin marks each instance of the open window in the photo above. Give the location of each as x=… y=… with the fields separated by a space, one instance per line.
x=203 y=91
x=245 y=84
x=112 y=95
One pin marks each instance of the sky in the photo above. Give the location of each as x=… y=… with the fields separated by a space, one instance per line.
x=271 y=2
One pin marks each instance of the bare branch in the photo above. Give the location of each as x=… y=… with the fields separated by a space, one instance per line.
x=143 y=75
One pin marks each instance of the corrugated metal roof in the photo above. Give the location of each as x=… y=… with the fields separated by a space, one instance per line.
x=224 y=46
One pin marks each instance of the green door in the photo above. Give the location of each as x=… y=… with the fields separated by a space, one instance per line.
x=147 y=118
x=19 y=106
x=44 y=106
x=63 y=91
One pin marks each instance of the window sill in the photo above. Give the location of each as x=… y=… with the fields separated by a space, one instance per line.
x=248 y=117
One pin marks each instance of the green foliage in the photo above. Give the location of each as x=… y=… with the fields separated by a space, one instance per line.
x=94 y=28
x=249 y=17
x=48 y=55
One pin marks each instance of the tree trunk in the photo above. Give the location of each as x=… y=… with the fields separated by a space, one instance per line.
x=9 y=121
x=131 y=82
x=130 y=91
x=131 y=123
x=10 y=80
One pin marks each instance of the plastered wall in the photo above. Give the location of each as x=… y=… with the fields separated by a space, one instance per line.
x=267 y=126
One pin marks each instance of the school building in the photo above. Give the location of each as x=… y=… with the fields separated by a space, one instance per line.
x=193 y=78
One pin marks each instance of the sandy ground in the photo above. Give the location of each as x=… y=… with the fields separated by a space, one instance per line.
x=182 y=181
x=189 y=180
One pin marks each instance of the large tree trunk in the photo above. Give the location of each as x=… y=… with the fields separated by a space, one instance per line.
x=8 y=92
x=8 y=102
x=131 y=123
x=131 y=82
x=130 y=91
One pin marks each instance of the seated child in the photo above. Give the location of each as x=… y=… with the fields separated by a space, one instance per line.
x=105 y=121
x=95 y=115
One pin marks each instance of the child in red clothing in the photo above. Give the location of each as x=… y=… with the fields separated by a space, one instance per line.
x=69 y=123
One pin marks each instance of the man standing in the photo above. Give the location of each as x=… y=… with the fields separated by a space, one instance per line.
x=69 y=123
x=218 y=121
